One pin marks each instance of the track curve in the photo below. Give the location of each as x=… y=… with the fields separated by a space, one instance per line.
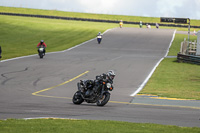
x=33 y=87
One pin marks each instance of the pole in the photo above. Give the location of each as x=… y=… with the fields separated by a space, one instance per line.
x=189 y=30
x=198 y=44
x=188 y=36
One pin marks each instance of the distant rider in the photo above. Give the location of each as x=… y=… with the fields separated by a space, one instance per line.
x=157 y=25
x=140 y=24
x=41 y=44
x=99 y=34
x=120 y=23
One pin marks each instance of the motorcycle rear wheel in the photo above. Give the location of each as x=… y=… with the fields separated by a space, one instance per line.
x=103 y=101
x=99 y=41
x=77 y=99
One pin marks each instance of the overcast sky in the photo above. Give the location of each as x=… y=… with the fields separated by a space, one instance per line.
x=150 y=8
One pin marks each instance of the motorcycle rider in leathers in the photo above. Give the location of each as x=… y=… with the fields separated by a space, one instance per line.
x=95 y=84
x=42 y=44
x=108 y=77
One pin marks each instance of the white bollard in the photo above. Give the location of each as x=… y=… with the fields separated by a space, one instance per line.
x=198 y=43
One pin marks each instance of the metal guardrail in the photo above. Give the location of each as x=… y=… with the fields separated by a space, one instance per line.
x=91 y=20
x=188 y=58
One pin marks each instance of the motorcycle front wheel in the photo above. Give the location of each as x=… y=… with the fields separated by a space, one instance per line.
x=41 y=55
x=105 y=98
x=77 y=99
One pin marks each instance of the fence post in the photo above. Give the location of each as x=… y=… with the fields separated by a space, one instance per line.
x=198 y=44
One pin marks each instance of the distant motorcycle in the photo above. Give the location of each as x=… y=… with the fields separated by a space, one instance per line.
x=99 y=38
x=140 y=24
x=41 y=52
x=93 y=91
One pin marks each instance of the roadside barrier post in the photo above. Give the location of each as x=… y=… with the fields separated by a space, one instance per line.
x=0 y=52
x=198 y=44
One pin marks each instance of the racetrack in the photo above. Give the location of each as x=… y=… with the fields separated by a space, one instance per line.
x=32 y=87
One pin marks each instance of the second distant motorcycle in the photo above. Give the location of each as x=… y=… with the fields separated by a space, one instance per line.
x=99 y=38
x=41 y=48
x=41 y=52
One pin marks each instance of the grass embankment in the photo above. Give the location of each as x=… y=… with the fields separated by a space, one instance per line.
x=87 y=15
x=86 y=126
x=173 y=79
x=20 y=35
x=78 y=15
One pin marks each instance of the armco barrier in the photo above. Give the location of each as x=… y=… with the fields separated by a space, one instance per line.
x=188 y=59
x=91 y=20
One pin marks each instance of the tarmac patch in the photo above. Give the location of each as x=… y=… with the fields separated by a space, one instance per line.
x=163 y=101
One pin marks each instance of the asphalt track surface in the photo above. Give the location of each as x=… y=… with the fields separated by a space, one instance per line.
x=31 y=87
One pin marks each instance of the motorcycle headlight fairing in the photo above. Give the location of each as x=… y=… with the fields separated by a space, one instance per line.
x=41 y=49
x=108 y=85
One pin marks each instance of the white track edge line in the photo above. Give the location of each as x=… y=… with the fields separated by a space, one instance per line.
x=151 y=73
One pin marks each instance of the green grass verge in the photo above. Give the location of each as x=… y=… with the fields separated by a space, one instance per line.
x=175 y=80
x=86 y=126
x=20 y=35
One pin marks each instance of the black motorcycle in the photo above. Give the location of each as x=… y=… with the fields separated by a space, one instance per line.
x=93 y=91
x=41 y=52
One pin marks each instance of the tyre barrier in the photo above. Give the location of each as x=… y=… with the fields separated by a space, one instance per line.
x=188 y=58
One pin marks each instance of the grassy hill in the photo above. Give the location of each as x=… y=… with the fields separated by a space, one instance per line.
x=86 y=15
x=20 y=35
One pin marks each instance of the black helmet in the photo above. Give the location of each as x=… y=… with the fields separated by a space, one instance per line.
x=42 y=41
x=111 y=74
